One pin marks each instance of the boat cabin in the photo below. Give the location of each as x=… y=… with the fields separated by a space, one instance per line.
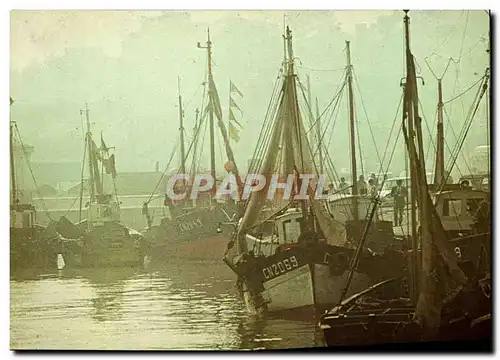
x=477 y=181
x=285 y=230
x=104 y=210
x=340 y=207
x=458 y=206
x=22 y=216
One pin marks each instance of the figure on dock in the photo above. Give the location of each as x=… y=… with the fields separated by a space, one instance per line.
x=399 y=193
x=343 y=186
x=362 y=188
x=372 y=188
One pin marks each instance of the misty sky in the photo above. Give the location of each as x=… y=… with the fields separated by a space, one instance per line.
x=125 y=65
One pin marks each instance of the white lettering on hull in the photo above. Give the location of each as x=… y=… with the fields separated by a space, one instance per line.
x=189 y=225
x=280 y=267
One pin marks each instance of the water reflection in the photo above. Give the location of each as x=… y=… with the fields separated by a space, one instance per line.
x=259 y=333
x=177 y=306
x=108 y=286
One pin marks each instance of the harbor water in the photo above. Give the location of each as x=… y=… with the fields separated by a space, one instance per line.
x=176 y=306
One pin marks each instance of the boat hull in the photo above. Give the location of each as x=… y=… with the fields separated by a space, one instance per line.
x=108 y=245
x=303 y=278
x=30 y=248
x=368 y=321
x=192 y=235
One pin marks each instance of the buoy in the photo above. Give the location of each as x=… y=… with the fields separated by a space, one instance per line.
x=60 y=262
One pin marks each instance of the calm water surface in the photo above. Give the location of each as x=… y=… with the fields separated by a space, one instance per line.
x=179 y=306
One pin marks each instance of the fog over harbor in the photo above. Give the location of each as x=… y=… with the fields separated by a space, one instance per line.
x=125 y=65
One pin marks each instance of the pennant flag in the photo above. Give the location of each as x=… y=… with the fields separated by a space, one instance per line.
x=232 y=118
x=110 y=166
x=96 y=151
x=214 y=99
x=234 y=133
x=233 y=104
x=103 y=145
x=234 y=89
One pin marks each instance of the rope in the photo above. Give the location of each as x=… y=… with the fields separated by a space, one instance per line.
x=466 y=91
x=163 y=174
x=321 y=70
x=466 y=127
x=264 y=134
x=81 y=174
x=358 y=137
x=366 y=114
x=46 y=211
x=451 y=30
x=334 y=97
x=390 y=135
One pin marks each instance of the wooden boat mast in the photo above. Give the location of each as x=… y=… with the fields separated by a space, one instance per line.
x=413 y=184
x=12 y=165
x=439 y=178
x=181 y=128
x=352 y=131
x=211 y=111
x=318 y=132
x=90 y=150
x=434 y=242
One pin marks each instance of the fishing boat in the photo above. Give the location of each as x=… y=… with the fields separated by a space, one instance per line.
x=351 y=208
x=295 y=260
x=31 y=245
x=100 y=240
x=449 y=297
x=189 y=228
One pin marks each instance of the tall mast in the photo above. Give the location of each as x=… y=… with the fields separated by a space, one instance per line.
x=318 y=132
x=181 y=128
x=309 y=90
x=314 y=121
x=413 y=177
x=292 y=102
x=90 y=151
x=352 y=133
x=211 y=111
x=439 y=169
x=12 y=165
x=195 y=145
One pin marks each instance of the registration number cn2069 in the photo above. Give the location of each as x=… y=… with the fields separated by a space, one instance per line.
x=280 y=267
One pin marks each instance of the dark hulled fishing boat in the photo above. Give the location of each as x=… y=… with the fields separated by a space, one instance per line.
x=100 y=240
x=190 y=229
x=31 y=245
x=295 y=258
x=449 y=295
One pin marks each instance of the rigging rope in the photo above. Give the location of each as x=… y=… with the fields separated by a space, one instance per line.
x=358 y=137
x=264 y=134
x=366 y=114
x=163 y=174
x=449 y=33
x=465 y=91
x=82 y=174
x=321 y=70
x=465 y=129
x=46 y=211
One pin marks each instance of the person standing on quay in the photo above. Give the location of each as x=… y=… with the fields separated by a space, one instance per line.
x=399 y=193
